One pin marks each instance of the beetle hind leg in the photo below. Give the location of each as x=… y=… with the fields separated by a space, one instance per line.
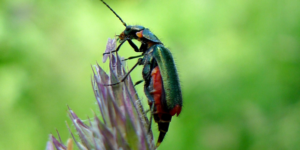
x=138 y=82
x=150 y=123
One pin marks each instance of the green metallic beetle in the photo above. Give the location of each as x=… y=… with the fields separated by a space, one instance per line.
x=162 y=86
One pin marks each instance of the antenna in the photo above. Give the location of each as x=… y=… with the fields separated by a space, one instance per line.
x=114 y=13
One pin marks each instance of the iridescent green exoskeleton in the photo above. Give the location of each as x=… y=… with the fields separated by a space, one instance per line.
x=162 y=86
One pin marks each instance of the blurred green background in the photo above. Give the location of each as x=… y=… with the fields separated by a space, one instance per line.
x=238 y=62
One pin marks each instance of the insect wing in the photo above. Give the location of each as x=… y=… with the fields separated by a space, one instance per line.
x=171 y=85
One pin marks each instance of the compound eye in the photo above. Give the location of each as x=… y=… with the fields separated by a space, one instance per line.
x=127 y=30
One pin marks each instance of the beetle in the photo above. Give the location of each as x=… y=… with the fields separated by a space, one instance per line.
x=162 y=86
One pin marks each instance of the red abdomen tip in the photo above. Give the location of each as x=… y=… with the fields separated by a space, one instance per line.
x=175 y=110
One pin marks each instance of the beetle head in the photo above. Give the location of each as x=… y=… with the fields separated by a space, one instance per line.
x=131 y=32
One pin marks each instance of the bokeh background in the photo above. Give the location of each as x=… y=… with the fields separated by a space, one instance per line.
x=238 y=62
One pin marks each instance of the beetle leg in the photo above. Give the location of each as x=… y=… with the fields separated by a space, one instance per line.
x=144 y=47
x=138 y=82
x=136 y=49
x=152 y=109
x=123 y=79
x=133 y=57
x=118 y=48
x=145 y=112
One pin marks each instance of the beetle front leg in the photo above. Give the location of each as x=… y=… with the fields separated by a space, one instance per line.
x=118 y=48
x=136 y=49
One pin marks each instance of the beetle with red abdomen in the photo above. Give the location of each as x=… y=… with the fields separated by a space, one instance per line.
x=162 y=86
